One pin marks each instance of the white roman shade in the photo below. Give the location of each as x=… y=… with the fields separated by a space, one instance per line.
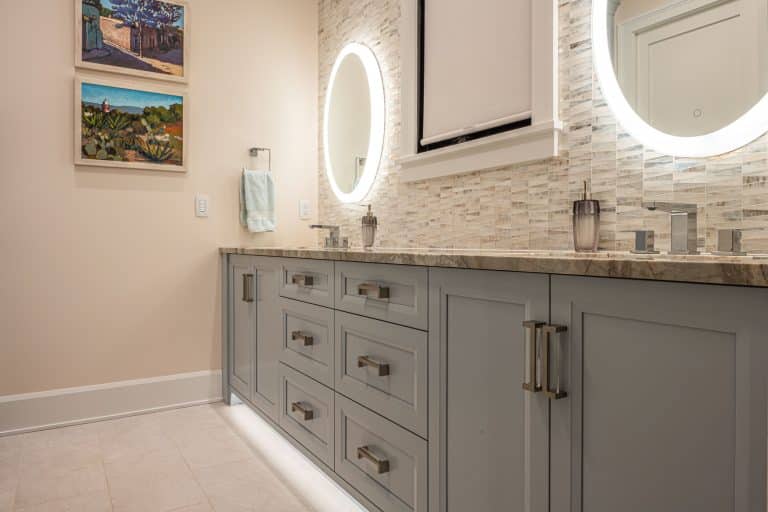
x=467 y=87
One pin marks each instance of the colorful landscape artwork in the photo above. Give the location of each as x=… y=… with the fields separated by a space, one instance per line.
x=138 y=37
x=129 y=127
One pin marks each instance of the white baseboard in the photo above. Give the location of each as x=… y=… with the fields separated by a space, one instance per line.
x=70 y=406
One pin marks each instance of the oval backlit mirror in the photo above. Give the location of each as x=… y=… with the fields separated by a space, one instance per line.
x=353 y=127
x=685 y=77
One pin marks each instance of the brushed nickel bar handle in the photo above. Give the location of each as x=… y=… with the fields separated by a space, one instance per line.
x=303 y=280
x=305 y=412
x=531 y=328
x=373 y=291
x=247 y=287
x=549 y=332
x=382 y=368
x=382 y=465
x=307 y=339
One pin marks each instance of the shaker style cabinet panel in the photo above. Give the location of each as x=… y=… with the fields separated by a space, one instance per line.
x=488 y=436
x=255 y=330
x=666 y=405
x=242 y=321
x=269 y=336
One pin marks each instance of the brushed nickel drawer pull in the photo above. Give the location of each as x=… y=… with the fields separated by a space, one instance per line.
x=531 y=329
x=307 y=339
x=382 y=465
x=303 y=280
x=373 y=291
x=382 y=368
x=247 y=287
x=549 y=332
x=305 y=412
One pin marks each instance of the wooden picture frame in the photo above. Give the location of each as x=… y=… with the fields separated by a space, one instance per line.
x=113 y=43
x=124 y=143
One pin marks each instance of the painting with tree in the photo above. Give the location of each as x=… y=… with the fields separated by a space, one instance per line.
x=120 y=126
x=136 y=37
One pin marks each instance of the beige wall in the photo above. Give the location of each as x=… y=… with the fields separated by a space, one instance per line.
x=106 y=275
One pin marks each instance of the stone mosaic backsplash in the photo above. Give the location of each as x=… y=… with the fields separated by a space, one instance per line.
x=529 y=206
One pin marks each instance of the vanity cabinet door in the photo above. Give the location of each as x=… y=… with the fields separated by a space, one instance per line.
x=269 y=336
x=242 y=322
x=488 y=436
x=666 y=405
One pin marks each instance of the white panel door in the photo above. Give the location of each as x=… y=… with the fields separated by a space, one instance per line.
x=666 y=406
x=698 y=71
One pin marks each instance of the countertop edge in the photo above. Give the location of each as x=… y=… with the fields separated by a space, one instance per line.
x=729 y=272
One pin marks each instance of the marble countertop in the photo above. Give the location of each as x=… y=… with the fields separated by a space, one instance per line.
x=731 y=270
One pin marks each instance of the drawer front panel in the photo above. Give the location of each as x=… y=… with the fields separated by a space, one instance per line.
x=307 y=280
x=308 y=339
x=381 y=460
x=383 y=367
x=306 y=413
x=395 y=293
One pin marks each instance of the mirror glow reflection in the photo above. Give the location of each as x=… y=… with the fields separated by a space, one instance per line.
x=684 y=77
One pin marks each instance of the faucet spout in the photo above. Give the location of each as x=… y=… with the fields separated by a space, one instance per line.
x=684 y=224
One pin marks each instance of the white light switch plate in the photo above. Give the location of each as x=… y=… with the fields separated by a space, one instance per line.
x=305 y=210
x=202 y=205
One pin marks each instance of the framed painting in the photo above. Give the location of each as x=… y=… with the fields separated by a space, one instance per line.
x=147 y=38
x=119 y=124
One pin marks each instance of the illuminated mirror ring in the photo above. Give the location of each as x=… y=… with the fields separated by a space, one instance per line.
x=744 y=130
x=377 y=122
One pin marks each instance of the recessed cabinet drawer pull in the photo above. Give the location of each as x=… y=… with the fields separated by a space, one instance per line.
x=303 y=280
x=531 y=328
x=382 y=465
x=247 y=287
x=549 y=331
x=305 y=412
x=307 y=339
x=382 y=368
x=374 y=291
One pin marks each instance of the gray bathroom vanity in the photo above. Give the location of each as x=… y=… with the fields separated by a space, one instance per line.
x=459 y=381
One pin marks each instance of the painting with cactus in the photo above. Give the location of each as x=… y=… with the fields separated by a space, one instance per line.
x=128 y=127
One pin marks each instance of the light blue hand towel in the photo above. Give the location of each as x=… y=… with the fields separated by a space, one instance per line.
x=257 y=201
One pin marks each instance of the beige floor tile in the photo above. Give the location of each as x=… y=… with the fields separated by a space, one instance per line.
x=48 y=484
x=79 y=435
x=212 y=446
x=97 y=502
x=58 y=458
x=248 y=485
x=6 y=500
x=138 y=435
x=155 y=481
x=202 y=507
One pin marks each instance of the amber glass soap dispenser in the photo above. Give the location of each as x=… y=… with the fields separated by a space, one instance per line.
x=586 y=223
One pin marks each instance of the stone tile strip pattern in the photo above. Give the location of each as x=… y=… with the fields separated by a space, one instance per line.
x=528 y=206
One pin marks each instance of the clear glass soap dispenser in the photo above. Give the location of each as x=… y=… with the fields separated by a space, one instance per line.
x=369 y=226
x=586 y=223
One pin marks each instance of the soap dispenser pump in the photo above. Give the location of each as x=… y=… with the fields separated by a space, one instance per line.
x=369 y=226
x=586 y=223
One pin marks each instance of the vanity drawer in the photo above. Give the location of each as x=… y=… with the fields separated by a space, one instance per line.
x=386 y=463
x=383 y=367
x=307 y=280
x=307 y=343
x=395 y=293
x=306 y=413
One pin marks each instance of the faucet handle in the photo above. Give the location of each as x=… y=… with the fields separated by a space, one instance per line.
x=645 y=242
x=729 y=242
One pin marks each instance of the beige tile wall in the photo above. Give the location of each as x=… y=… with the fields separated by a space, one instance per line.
x=528 y=207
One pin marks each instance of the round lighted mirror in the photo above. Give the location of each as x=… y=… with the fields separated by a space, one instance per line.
x=684 y=77
x=353 y=127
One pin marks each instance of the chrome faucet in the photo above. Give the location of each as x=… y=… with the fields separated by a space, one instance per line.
x=684 y=217
x=334 y=240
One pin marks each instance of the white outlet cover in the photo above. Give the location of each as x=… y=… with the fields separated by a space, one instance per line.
x=305 y=210
x=202 y=205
